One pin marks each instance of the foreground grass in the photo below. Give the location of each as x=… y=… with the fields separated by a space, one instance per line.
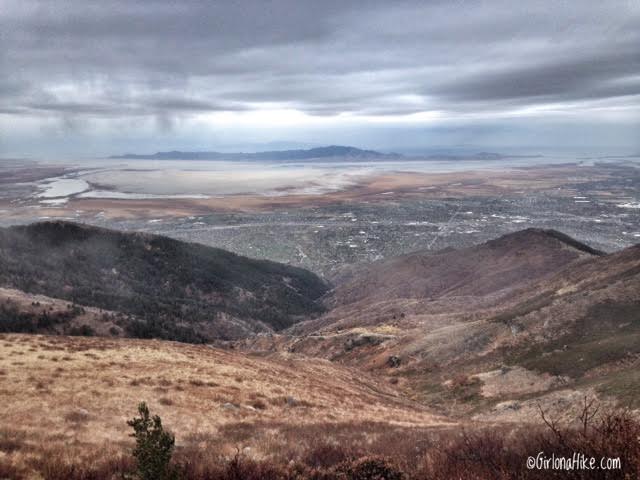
x=356 y=452
x=66 y=402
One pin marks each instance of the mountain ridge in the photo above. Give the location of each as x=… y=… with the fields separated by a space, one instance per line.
x=330 y=151
x=500 y=263
x=315 y=153
x=168 y=288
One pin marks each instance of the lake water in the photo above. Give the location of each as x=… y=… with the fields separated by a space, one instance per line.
x=138 y=179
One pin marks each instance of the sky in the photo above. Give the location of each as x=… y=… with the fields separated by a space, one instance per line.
x=84 y=78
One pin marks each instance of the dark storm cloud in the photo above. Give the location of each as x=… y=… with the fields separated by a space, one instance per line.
x=595 y=75
x=160 y=58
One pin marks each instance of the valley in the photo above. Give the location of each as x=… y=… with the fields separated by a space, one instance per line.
x=406 y=350
x=535 y=304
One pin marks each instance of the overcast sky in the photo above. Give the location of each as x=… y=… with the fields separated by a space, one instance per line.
x=94 y=78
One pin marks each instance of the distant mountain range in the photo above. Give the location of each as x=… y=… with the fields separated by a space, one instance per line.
x=333 y=151
x=474 y=156
x=337 y=152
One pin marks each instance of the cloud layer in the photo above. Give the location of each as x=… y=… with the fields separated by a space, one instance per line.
x=194 y=65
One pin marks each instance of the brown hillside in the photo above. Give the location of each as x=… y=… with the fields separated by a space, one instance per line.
x=569 y=327
x=447 y=281
x=76 y=393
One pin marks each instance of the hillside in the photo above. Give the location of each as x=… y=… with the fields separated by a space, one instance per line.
x=493 y=330
x=160 y=287
x=448 y=281
x=74 y=395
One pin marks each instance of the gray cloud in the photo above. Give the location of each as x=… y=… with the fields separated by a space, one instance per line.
x=171 y=60
x=595 y=75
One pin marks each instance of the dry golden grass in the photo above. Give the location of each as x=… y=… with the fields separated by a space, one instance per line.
x=66 y=401
x=74 y=394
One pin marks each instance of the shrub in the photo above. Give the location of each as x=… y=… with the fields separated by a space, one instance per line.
x=11 y=441
x=243 y=469
x=154 y=446
x=77 y=416
x=8 y=470
x=371 y=468
x=326 y=455
x=82 y=331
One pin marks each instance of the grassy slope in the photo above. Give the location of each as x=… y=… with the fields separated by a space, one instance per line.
x=75 y=393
